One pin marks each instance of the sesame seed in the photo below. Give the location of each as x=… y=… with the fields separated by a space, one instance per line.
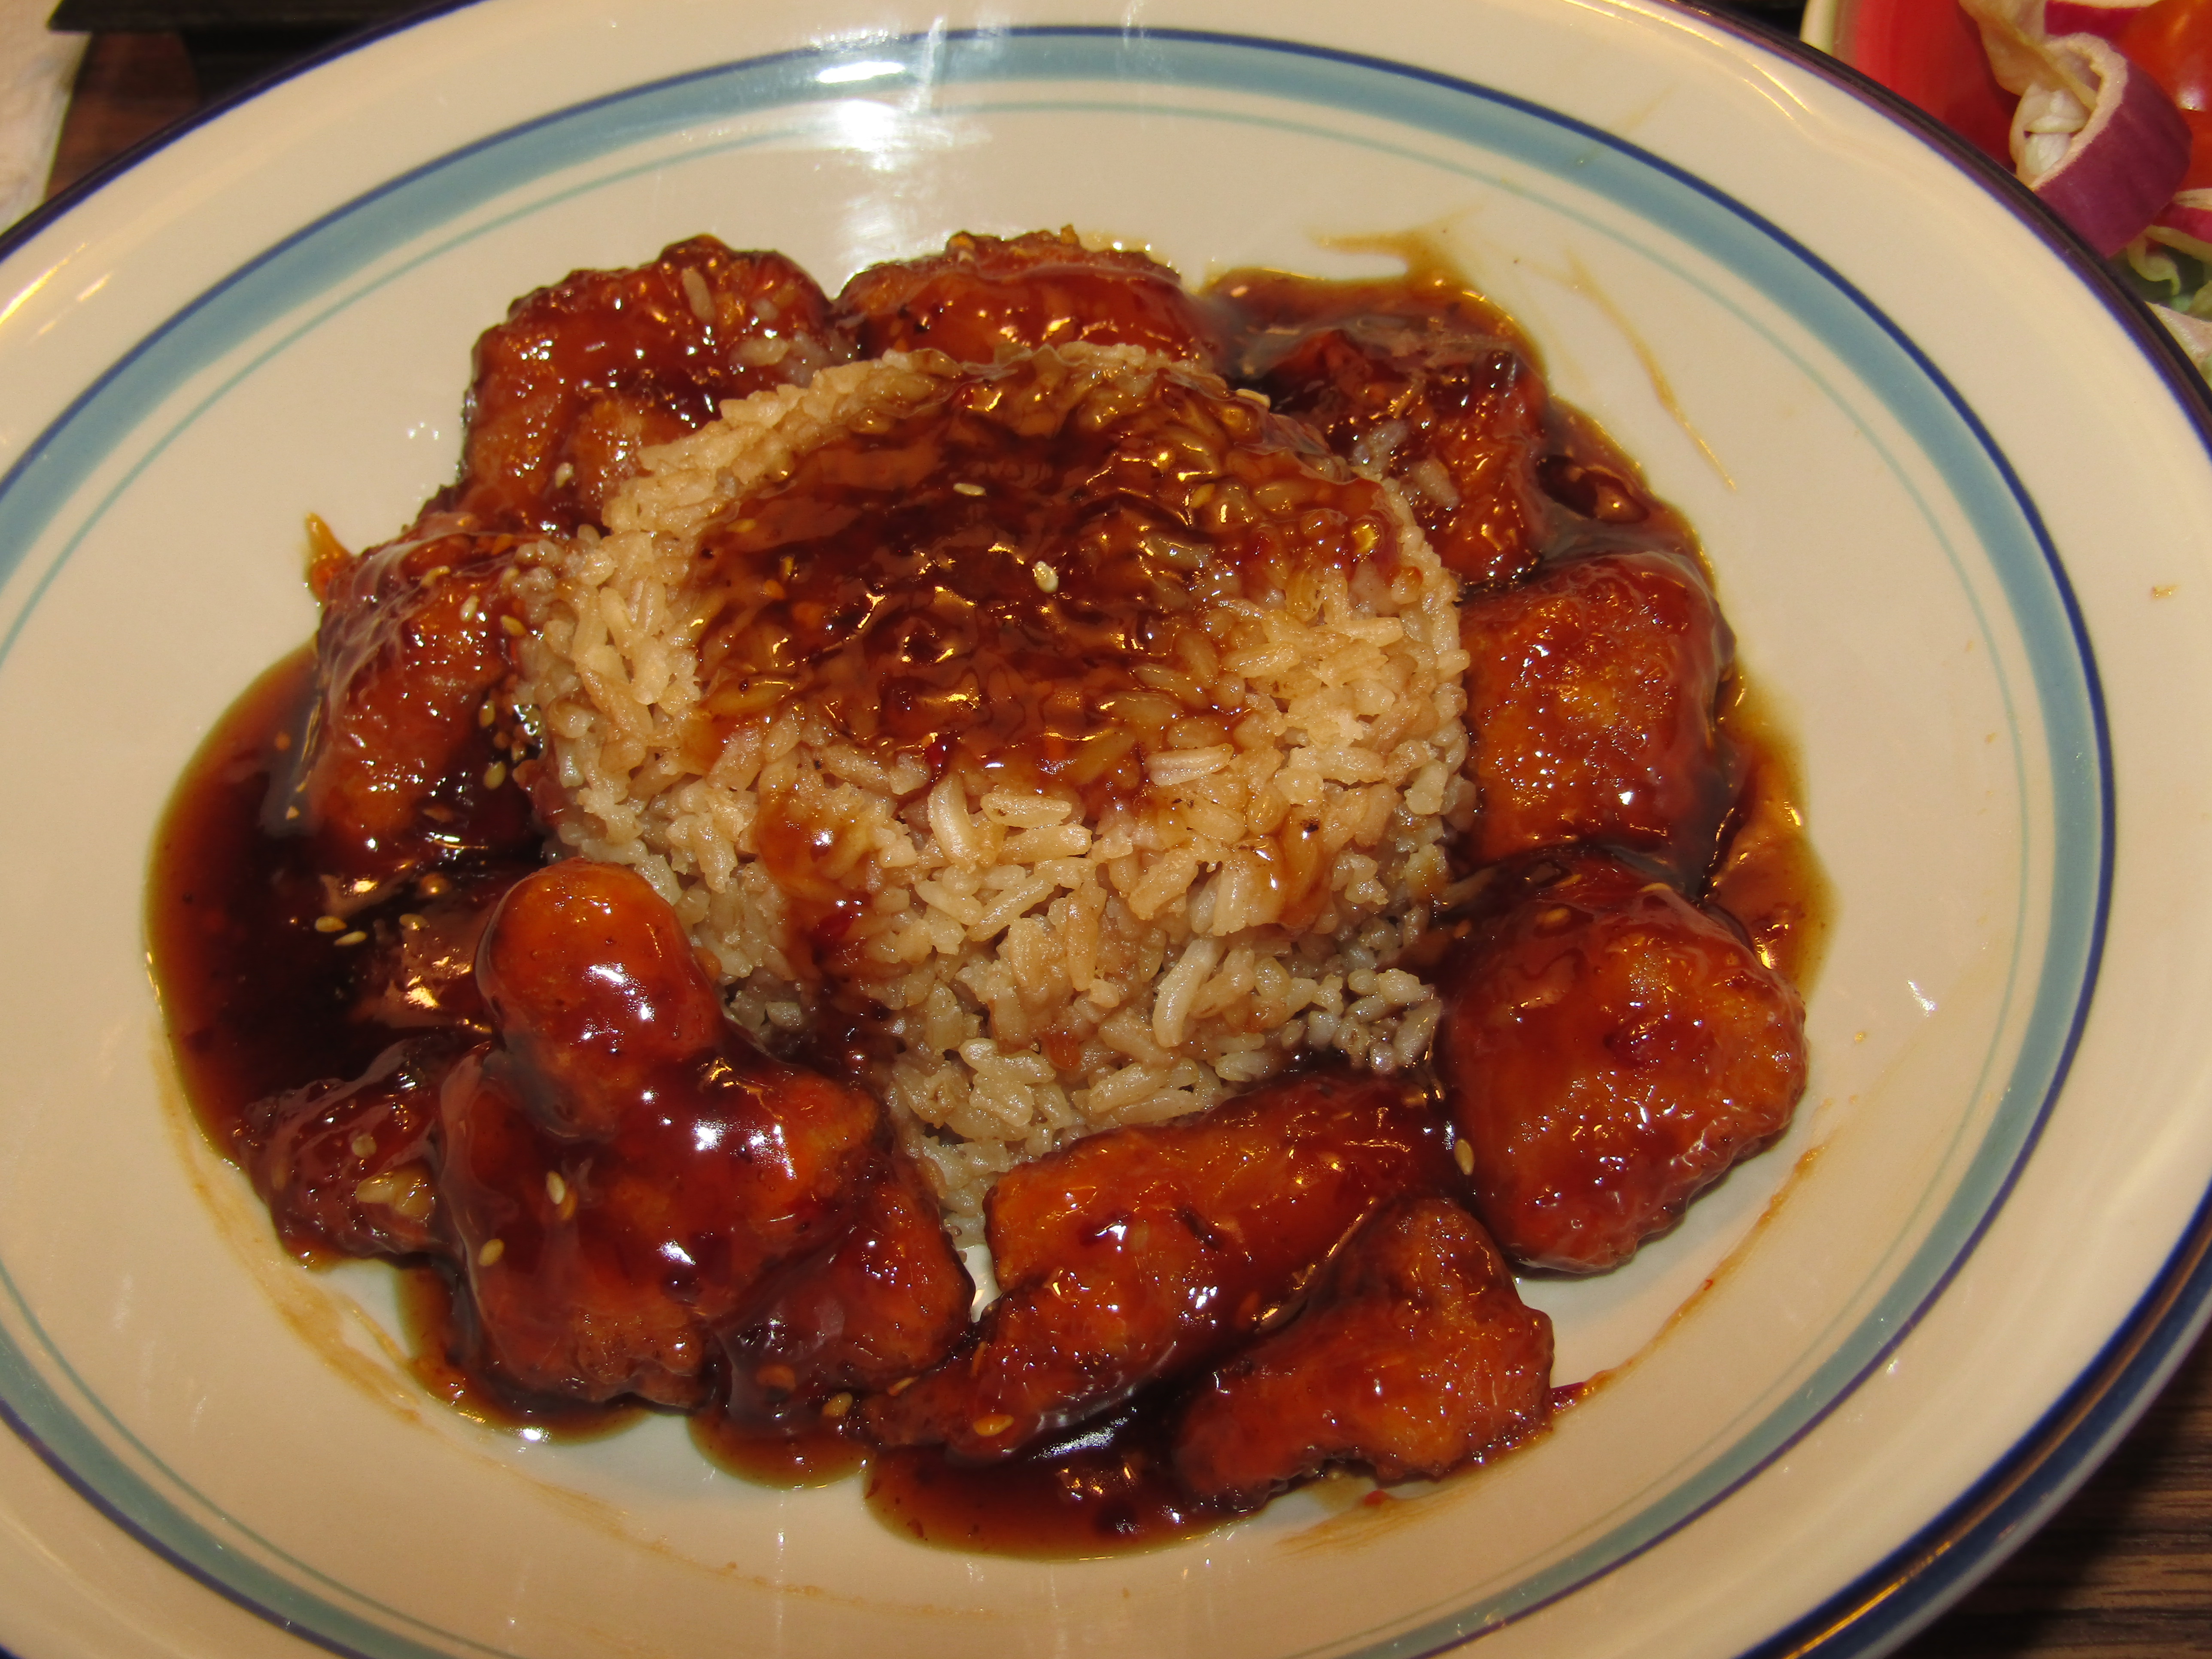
x=782 y=1378
x=1047 y=579
x=513 y=624
x=283 y=741
x=356 y=936
x=697 y=292
x=438 y=573
x=495 y=775
x=963 y=488
x=556 y=1188
x=291 y=812
x=1463 y=1155
x=415 y=1198
x=469 y=608
x=330 y=924
x=836 y=1406
x=991 y=1425
x=492 y=1249
x=900 y=1386
x=431 y=885
x=484 y=714
x=363 y=1146
x=412 y=922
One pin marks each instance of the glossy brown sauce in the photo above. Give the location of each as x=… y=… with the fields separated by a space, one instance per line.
x=256 y=997
x=252 y=1005
x=584 y=374
x=1104 y=1490
x=984 y=583
x=1014 y=670
x=816 y=1455
x=1768 y=877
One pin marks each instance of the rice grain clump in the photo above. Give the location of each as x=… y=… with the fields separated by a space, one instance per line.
x=1068 y=740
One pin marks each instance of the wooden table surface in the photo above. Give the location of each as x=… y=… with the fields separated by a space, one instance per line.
x=2124 y=1572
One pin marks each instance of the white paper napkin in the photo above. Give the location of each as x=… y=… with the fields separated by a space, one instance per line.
x=37 y=69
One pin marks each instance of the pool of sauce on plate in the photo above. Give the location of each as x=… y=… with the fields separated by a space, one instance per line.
x=258 y=1001
x=256 y=998
x=1104 y=1488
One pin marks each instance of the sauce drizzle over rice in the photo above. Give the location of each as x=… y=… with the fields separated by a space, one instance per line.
x=1083 y=853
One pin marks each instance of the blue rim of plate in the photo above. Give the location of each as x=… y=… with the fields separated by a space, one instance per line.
x=2067 y=689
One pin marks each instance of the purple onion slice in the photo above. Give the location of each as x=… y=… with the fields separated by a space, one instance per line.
x=2186 y=223
x=2108 y=165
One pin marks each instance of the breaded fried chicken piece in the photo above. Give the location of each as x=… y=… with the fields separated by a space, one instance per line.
x=1455 y=415
x=1592 y=698
x=1143 y=1253
x=622 y=1167
x=349 y=1168
x=1421 y=380
x=983 y=295
x=584 y=374
x=1413 y=1356
x=890 y=1299
x=1607 y=1050
x=402 y=768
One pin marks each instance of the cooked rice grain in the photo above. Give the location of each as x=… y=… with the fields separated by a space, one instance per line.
x=1040 y=975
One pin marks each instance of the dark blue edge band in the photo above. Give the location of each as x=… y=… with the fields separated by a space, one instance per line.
x=1916 y=1584
x=2138 y=321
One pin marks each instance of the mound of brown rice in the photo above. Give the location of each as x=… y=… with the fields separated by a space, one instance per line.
x=1044 y=961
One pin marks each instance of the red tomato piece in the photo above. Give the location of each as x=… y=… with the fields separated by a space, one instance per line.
x=2173 y=40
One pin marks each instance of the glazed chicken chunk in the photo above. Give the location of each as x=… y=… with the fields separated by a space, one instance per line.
x=1607 y=1050
x=1143 y=1253
x=622 y=1167
x=1446 y=413
x=984 y=295
x=348 y=1168
x=1413 y=1356
x=584 y=374
x=1592 y=699
x=404 y=767
x=889 y=1299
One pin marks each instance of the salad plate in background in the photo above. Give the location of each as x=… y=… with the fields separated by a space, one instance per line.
x=2103 y=108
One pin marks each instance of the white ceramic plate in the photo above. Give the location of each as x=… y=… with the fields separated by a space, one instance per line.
x=1960 y=502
